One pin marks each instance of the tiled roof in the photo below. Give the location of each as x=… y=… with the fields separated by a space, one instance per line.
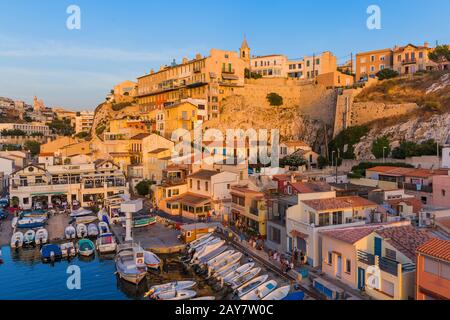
x=140 y=136
x=414 y=202
x=310 y=187
x=190 y=199
x=405 y=239
x=353 y=234
x=436 y=248
x=409 y=172
x=203 y=174
x=338 y=203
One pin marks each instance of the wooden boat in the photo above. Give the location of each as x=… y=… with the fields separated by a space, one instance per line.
x=41 y=236
x=211 y=255
x=106 y=243
x=205 y=298
x=278 y=294
x=235 y=257
x=51 y=252
x=30 y=223
x=28 y=238
x=176 y=295
x=86 y=247
x=130 y=263
x=143 y=221
x=226 y=270
x=152 y=261
x=242 y=279
x=261 y=291
x=175 y=285
x=85 y=219
x=70 y=233
x=17 y=240
x=68 y=249
x=92 y=230
x=206 y=249
x=238 y=272
x=82 y=230
x=103 y=227
x=250 y=285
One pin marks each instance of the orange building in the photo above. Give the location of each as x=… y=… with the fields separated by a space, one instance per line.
x=433 y=270
x=368 y=64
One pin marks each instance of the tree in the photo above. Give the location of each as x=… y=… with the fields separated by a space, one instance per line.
x=322 y=162
x=13 y=132
x=275 y=99
x=292 y=160
x=387 y=74
x=440 y=55
x=82 y=135
x=33 y=147
x=381 y=147
x=61 y=127
x=143 y=188
x=346 y=140
x=409 y=149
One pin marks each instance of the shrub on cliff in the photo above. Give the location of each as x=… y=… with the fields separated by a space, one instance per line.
x=387 y=74
x=120 y=106
x=275 y=99
x=411 y=149
x=381 y=147
x=346 y=140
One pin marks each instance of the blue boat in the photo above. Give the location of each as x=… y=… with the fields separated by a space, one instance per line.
x=51 y=252
x=30 y=223
x=295 y=296
x=3 y=214
x=34 y=214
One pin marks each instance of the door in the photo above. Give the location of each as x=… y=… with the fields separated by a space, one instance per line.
x=339 y=266
x=361 y=278
x=377 y=249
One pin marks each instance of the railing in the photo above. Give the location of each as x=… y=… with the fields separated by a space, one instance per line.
x=415 y=187
x=409 y=61
x=254 y=211
x=228 y=71
x=385 y=264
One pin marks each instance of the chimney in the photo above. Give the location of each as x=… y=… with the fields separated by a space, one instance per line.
x=152 y=71
x=425 y=44
x=198 y=56
x=185 y=60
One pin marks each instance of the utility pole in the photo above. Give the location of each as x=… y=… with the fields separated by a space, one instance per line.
x=351 y=62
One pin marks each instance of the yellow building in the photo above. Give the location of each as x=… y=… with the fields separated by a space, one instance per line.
x=368 y=64
x=335 y=79
x=182 y=115
x=210 y=78
x=410 y=59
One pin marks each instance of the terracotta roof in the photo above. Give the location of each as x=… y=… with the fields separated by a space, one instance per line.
x=189 y=198
x=408 y=172
x=338 y=203
x=405 y=239
x=414 y=202
x=436 y=248
x=246 y=190
x=158 y=150
x=310 y=187
x=46 y=154
x=203 y=174
x=351 y=235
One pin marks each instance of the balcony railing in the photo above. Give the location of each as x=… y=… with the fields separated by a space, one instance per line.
x=409 y=61
x=385 y=264
x=228 y=71
x=254 y=211
x=415 y=187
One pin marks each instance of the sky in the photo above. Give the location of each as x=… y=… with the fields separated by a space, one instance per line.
x=122 y=40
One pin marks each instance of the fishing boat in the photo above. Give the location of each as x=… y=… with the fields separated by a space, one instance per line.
x=86 y=247
x=82 y=230
x=81 y=212
x=278 y=294
x=17 y=240
x=106 y=243
x=206 y=249
x=41 y=236
x=144 y=221
x=261 y=291
x=92 y=230
x=85 y=219
x=175 y=285
x=205 y=298
x=152 y=261
x=201 y=243
x=226 y=270
x=34 y=214
x=130 y=263
x=103 y=227
x=238 y=272
x=68 y=250
x=176 y=295
x=250 y=285
x=28 y=238
x=51 y=252
x=211 y=255
x=235 y=257
x=242 y=279
x=221 y=256
x=30 y=223
x=70 y=233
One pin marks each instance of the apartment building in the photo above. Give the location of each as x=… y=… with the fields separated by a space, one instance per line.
x=368 y=64
x=411 y=58
x=84 y=121
x=28 y=128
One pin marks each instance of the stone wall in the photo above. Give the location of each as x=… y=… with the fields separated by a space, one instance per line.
x=22 y=139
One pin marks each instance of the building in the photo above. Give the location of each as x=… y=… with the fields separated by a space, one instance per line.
x=19 y=158
x=89 y=183
x=410 y=58
x=368 y=64
x=28 y=128
x=182 y=115
x=6 y=168
x=248 y=210
x=322 y=211
x=208 y=78
x=441 y=190
x=433 y=270
x=84 y=121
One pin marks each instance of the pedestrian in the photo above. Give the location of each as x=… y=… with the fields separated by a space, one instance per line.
x=302 y=257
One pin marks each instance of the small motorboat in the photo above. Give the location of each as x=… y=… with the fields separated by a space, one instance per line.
x=103 y=227
x=205 y=298
x=175 y=285
x=199 y=239
x=51 y=253
x=199 y=245
x=106 y=243
x=206 y=249
x=278 y=294
x=68 y=250
x=28 y=237
x=17 y=240
x=34 y=214
x=70 y=233
x=85 y=219
x=92 y=230
x=144 y=221
x=130 y=263
x=235 y=257
x=226 y=270
x=242 y=279
x=102 y=216
x=41 y=236
x=220 y=257
x=86 y=247
x=152 y=261
x=82 y=231
x=81 y=212
x=238 y=272
x=212 y=255
x=250 y=285
x=30 y=223
x=261 y=291
x=176 y=295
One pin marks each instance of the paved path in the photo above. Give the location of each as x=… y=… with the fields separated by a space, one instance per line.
x=6 y=231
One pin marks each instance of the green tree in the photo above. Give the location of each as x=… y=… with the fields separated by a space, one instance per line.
x=61 y=127
x=82 y=135
x=292 y=160
x=33 y=147
x=275 y=99
x=381 y=147
x=346 y=140
x=322 y=162
x=143 y=188
x=440 y=55
x=387 y=74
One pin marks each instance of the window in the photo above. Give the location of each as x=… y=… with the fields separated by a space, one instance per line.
x=275 y=235
x=190 y=183
x=26 y=200
x=206 y=186
x=420 y=55
x=324 y=219
x=312 y=218
x=198 y=184
x=391 y=254
x=330 y=258
x=382 y=67
x=372 y=68
x=387 y=287
x=431 y=266
x=382 y=58
x=348 y=266
x=337 y=217
x=228 y=186
x=443 y=192
x=372 y=58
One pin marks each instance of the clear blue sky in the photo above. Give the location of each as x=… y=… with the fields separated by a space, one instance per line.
x=121 y=40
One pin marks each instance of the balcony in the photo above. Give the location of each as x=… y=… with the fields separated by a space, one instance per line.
x=385 y=264
x=409 y=61
x=254 y=211
x=415 y=187
x=228 y=71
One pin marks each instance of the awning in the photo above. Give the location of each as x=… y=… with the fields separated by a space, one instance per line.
x=299 y=234
x=190 y=199
x=48 y=194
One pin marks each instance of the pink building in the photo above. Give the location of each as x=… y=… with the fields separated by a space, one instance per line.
x=441 y=191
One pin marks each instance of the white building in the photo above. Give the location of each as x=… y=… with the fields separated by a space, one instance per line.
x=84 y=121
x=7 y=168
x=446 y=158
x=28 y=128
